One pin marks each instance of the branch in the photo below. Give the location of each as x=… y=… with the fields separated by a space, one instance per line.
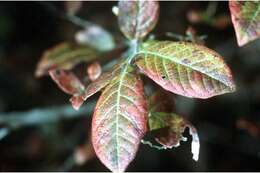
x=38 y=116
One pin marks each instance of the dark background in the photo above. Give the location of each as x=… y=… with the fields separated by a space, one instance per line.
x=29 y=28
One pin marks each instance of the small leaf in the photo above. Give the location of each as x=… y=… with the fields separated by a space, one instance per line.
x=70 y=84
x=137 y=18
x=94 y=70
x=169 y=128
x=119 y=120
x=185 y=68
x=246 y=20
x=96 y=37
x=64 y=56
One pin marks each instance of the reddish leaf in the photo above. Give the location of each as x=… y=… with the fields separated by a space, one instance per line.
x=161 y=101
x=70 y=84
x=67 y=81
x=246 y=20
x=103 y=80
x=94 y=70
x=137 y=18
x=185 y=68
x=169 y=128
x=64 y=56
x=77 y=101
x=119 y=120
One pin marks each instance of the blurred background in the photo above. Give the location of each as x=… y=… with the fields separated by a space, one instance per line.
x=39 y=131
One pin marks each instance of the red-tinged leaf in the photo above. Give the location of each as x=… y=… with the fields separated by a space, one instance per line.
x=103 y=80
x=77 y=101
x=119 y=120
x=96 y=37
x=67 y=81
x=137 y=18
x=72 y=7
x=185 y=68
x=70 y=84
x=169 y=128
x=161 y=101
x=94 y=70
x=64 y=56
x=246 y=20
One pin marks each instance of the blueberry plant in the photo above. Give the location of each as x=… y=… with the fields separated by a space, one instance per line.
x=124 y=112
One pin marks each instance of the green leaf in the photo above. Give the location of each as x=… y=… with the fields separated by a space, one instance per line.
x=137 y=18
x=169 y=128
x=119 y=120
x=185 y=68
x=246 y=20
x=64 y=56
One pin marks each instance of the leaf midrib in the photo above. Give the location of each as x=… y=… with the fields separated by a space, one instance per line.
x=178 y=62
x=253 y=19
x=124 y=71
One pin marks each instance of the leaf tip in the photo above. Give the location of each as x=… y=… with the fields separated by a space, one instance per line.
x=76 y=101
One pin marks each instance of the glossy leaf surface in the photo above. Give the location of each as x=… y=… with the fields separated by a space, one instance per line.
x=64 y=56
x=119 y=120
x=246 y=20
x=185 y=68
x=137 y=18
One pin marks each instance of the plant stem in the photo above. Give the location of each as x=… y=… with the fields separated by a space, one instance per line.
x=39 y=116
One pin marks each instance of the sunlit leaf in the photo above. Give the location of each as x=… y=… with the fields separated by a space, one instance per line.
x=185 y=68
x=119 y=120
x=169 y=128
x=246 y=20
x=64 y=56
x=137 y=18
x=96 y=37
x=70 y=84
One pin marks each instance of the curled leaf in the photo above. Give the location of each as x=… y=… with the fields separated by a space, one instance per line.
x=94 y=70
x=64 y=56
x=185 y=68
x=96 y=37
x=246 y=20
x=119 y=120
x=70 y=84
x=169 y=128
x=137 y=18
